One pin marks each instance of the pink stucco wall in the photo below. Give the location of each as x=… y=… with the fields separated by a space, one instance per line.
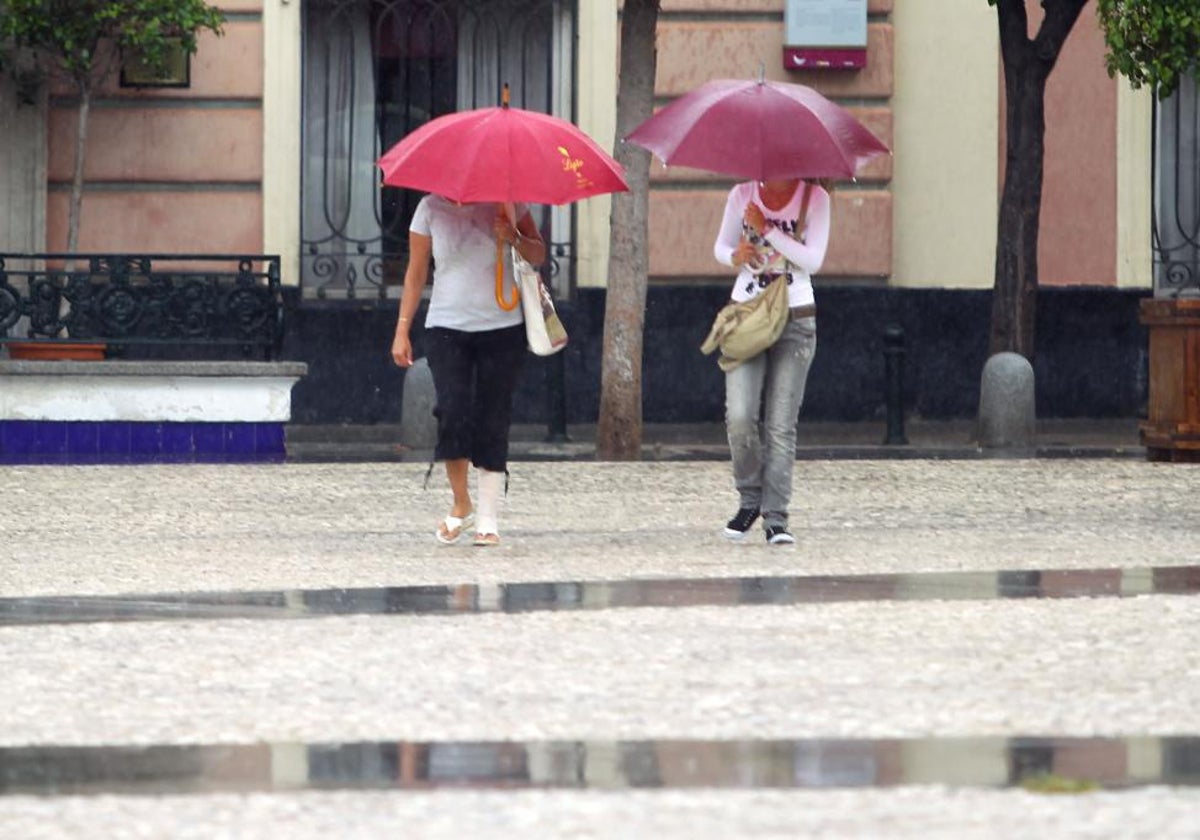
x=181 y=169
x=162 y=221
x=1079 y=207
x=170 y=169
x=1077 y=242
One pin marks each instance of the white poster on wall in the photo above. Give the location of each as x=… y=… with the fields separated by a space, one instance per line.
x=830 y=34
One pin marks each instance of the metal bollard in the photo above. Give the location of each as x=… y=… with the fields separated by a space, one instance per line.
x=561 y=260
x=893 y=360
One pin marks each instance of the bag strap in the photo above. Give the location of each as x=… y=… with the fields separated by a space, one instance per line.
x=802 y=217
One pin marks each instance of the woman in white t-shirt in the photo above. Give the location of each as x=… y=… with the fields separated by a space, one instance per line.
x=475 y=345
x=770 y=229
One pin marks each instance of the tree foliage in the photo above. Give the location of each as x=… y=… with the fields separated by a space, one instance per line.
x=85 y=41
x=1151 y=42
x=79 y=36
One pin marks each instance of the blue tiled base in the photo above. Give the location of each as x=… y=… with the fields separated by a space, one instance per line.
x=115 y=442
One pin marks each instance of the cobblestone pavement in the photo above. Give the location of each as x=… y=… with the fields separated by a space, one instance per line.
x=883 y=669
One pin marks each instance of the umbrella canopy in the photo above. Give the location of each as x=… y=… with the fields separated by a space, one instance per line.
x=759 y=130
x=502 y=154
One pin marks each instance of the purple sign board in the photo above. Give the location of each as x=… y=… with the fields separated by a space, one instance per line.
x=825 y=34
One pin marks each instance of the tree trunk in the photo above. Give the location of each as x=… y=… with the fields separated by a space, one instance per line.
x=1027 y=66
x=75 y=212
x=619 y=435
x=1014 y=298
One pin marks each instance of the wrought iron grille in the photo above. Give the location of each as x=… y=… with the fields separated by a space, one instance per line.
x=1176 y=226
x=375 y=70
x=215 y=300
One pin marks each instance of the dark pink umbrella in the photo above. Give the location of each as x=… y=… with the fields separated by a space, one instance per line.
x=759 y=130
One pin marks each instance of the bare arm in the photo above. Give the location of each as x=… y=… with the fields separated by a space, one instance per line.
x=416 y=276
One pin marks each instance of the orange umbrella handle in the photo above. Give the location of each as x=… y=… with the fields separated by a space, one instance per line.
x=507 y=306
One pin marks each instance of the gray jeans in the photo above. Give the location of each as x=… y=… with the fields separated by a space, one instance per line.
x=762 y=403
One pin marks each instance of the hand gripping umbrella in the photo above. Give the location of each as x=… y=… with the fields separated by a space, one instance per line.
x=503 y=155
x=758 y=130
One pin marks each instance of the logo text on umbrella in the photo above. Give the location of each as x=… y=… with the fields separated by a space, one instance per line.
x=574 y=166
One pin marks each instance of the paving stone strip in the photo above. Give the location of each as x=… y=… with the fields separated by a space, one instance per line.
x=600 y=595
x=1052 y=763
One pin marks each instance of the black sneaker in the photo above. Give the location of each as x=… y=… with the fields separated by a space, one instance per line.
x=736 y=528
x=779 y=535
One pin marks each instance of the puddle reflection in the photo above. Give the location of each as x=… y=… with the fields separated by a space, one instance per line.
x=817 y=763
x=591 y=595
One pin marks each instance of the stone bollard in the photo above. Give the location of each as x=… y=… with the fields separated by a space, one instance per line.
x=1007 y=416
x=418 y=426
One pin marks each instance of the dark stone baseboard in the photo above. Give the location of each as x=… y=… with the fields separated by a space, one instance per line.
x=1091 y=358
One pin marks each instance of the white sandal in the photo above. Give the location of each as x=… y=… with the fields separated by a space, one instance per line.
x=450 y=529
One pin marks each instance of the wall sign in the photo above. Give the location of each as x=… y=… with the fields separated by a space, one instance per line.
x=176 y=69
x=825 y=34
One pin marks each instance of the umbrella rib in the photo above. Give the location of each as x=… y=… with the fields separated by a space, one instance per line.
x=508 y=151
x=761 y=139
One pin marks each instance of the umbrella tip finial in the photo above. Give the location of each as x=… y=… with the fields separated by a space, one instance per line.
x=504 y=96
x=762 y=72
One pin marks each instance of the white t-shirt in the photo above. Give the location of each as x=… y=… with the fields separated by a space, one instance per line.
x=463 y=295
x=781 y=250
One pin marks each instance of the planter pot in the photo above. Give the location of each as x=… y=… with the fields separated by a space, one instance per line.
x=1171 y=431
x=50 y=350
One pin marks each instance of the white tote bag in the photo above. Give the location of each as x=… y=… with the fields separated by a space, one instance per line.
x=543 y=328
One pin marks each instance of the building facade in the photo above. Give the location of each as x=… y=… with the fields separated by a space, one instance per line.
x=270 y=148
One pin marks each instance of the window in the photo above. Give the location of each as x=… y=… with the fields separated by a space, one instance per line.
x=374 y=70
x=1177 y=192
x=175 y=72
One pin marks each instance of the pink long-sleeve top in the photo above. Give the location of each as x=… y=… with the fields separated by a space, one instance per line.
x=782 y=249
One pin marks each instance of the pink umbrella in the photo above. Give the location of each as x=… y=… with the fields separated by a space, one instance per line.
x=502 y=154
x=759 y=130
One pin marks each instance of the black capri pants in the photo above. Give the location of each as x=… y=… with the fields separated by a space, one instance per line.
x=474 y=376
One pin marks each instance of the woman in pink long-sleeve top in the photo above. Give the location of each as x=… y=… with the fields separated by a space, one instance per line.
x=771 y=228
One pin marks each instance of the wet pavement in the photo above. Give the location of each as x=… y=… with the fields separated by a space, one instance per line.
x=604 y=594
x=958 y=646
x=1116 y=763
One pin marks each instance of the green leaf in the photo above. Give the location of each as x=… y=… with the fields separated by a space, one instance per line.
x=1151 y=42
